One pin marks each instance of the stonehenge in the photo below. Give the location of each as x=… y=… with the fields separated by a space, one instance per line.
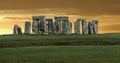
x=58 y=25
x=39 y=24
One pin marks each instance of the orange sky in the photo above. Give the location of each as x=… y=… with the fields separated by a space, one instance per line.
x=17 y=12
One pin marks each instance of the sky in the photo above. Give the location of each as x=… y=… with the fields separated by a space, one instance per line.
x=18 y=11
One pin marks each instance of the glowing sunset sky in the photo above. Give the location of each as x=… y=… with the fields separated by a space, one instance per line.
x=17 y=12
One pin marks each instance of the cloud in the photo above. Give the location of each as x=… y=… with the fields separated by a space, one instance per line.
x=18 y=18
x=47 y=11
x=86 y=7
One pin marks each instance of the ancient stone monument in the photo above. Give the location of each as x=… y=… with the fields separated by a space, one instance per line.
x=17 y=30
x=27 y=27
x=39 y=25
x=60 y=25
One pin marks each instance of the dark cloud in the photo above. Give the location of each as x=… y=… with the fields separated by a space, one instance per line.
x=86 y=7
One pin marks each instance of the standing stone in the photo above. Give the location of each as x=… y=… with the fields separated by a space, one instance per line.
x=55 y=27
x=77 y=27
x=65 y=27
x=90 y=28
x=27 y=27
x=35 y=24
x=43 y=24
x=84 y=27
x=70 y=27
x=50 y=25
x=58 y=25
x=39 y=25
x=17 y=30
x=95 y=26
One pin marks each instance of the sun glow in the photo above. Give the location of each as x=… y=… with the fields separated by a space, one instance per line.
x=1 y=18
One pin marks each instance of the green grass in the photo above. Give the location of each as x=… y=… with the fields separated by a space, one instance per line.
x=61 y=54
x=56 y=40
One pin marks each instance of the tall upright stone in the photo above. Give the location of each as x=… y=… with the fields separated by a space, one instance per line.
x=95 y=26
x=17 y=30
x=50 y=25
x=77 y=27
x=35 y=24
x=70 y=27
x=66 y=25
x=43 y=24
x=57 y=25
x=90 y=28
x=84 y=26
x=27 y=27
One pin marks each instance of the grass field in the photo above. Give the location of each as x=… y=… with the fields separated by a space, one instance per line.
x=103 y=48
x=56 y=40
x=61 y=54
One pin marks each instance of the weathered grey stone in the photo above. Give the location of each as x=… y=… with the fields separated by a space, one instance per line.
x=90 y=28
x=17 y=30
x=50 y=25
x=70 y=27
x=77 y=27
x=65 y=27
x=35 y=27
x=84 y=27
x=27 y=27
x=57 y=25
x=61 y=24
x=42 y=24
x=95 y=26
x=39 y=24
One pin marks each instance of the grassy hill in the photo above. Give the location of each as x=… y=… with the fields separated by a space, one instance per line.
x=61 y=54
x=57 y=40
